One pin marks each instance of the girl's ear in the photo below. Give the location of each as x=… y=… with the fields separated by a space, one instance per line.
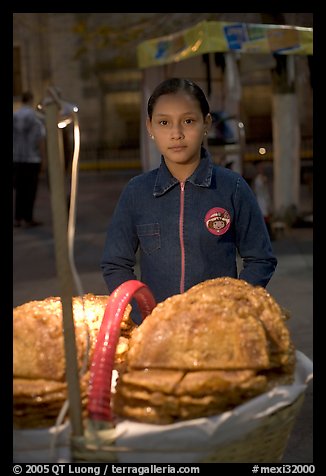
x=208 y=122
x=149 y=126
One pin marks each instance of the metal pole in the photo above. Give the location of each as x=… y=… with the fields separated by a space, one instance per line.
x=60 y=224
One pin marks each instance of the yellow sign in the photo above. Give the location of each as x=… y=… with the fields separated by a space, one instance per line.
x=212 y=36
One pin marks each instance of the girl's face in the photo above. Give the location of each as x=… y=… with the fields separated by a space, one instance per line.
x=178 y=128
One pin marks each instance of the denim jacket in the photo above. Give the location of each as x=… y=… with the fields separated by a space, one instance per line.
x=187 y=232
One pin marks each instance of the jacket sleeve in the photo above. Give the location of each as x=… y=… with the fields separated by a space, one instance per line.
x=119 y=255
x=252 y=238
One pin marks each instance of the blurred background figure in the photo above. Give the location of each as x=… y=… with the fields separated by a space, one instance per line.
x=28 y=155
x=262 y=191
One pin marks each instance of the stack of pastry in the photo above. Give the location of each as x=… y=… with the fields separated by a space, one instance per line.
x=39 y=368
x=204 y=352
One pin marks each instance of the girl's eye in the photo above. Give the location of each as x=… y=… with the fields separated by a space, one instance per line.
x=164 y=122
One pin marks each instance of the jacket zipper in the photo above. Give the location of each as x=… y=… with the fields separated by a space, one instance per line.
x=181 y=217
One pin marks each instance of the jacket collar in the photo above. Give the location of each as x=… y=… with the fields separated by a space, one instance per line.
x=201 y=177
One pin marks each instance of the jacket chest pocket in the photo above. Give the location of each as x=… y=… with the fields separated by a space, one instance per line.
x=149 y=237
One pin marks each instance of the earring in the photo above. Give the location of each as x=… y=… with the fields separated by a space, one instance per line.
x=205 y=133
x=152 y=137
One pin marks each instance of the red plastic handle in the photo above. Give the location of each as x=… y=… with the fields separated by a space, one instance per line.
x=99 y=395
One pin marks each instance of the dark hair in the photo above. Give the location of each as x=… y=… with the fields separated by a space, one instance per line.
x=27 y=96
x=173 y=86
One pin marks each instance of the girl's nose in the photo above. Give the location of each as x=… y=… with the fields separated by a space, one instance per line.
x=177 y=133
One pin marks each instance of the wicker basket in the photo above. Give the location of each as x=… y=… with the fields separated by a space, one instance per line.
x=262 y=438
x=265 y=444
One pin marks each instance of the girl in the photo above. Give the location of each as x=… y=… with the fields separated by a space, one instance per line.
x=189 y=218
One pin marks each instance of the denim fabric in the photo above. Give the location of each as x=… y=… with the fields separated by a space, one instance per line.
x=176 y=253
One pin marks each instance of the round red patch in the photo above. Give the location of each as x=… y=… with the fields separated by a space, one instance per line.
x=217 y=221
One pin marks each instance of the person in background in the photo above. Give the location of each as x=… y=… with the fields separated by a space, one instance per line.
x=189 y=218
x=28 y=154
x=263 y=195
